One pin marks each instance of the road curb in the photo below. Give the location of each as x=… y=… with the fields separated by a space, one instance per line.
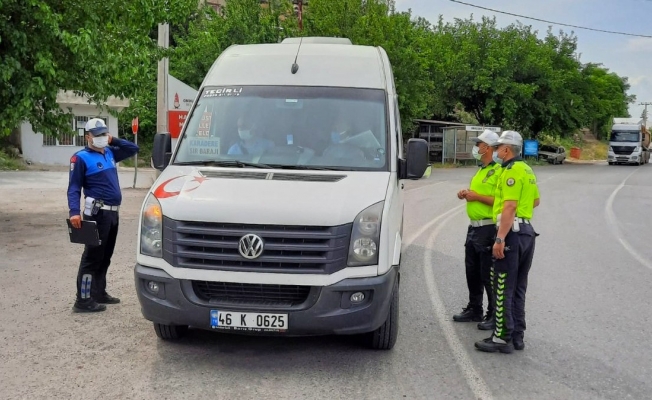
x=584 y=162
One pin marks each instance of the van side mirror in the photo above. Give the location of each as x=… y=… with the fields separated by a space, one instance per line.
x=416 y=163
x=162 y=151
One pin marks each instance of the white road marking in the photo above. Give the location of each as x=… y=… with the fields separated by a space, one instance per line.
x=429 y=225
x=473 y=378
x=613 y=221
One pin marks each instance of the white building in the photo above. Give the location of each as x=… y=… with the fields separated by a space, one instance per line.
x=41 y=149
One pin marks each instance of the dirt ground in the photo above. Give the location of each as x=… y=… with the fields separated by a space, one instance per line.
x=48 y=351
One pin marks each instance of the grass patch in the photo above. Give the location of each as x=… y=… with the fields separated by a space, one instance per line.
x=594 y=150
x=143 y=159
x=130 y=162
x=10 y=163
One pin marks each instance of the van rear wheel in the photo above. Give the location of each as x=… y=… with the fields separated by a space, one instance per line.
x=170 y=332
x=384 y=338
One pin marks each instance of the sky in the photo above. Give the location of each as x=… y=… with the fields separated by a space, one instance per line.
x=627 y=56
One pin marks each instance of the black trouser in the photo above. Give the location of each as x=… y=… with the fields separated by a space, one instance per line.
x=478 y=260
x=95 y=261
x=509 y=276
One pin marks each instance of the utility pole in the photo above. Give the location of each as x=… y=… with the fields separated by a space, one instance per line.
x=645 y=103
x=301 y=15
x=162 y=81
x=162 y=84
x=298 y=8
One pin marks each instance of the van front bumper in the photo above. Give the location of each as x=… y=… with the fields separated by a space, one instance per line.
x=327 y=309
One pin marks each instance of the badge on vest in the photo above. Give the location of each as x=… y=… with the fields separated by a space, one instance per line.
x=511 y=182
x=491 y=172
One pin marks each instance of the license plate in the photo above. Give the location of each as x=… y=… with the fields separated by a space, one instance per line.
x=248 y=321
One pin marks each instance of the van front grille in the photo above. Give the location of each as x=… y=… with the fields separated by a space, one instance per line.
x=286 y=249
x=247 y=293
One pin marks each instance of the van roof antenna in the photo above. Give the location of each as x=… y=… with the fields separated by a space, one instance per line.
x=295 y=66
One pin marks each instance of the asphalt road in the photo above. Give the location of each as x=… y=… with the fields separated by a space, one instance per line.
x=588 y=308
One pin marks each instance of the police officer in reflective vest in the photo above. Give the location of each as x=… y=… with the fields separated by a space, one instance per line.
x=517 y=195
x=94 y=169
x=481 y=232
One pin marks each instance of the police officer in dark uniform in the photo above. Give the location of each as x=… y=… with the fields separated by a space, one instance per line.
x=481 y=232
x=94 y=169
x=517 y=195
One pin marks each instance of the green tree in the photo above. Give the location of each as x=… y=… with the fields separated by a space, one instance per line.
x=94 y=48
x=510 y=77
x=405 y=39
x=606 y=98
x=196 y=44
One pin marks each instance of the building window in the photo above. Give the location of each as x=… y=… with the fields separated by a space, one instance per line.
x=75 y=137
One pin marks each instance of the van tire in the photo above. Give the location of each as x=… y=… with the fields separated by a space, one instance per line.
x=384 y=338
x=170 y=332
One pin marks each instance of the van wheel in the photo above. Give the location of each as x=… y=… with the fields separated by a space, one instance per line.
x=170 y=332
x=384 y=338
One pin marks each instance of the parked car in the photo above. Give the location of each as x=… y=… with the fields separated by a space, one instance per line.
x=553 y=154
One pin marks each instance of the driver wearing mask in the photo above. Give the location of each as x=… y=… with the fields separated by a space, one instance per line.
x=249 y=143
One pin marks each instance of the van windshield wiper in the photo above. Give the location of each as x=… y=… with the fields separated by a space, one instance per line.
x=225 y=163
x=305 y=167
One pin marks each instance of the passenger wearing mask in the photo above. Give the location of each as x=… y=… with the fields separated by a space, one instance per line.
x=249 y=142
x=340 y=131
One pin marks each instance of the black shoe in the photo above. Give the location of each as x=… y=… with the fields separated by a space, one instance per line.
x=488 y=323
x=107 y=299
x=488 y=345
x=469 y=314
x=517 y=338
x=87 y=306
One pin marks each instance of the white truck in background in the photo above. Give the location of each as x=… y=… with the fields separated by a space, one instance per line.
x=629 y=142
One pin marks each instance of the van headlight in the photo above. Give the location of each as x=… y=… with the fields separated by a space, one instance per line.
x=151 y=231
x=365 y=237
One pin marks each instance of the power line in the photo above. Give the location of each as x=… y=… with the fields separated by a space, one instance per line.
x=550 y=22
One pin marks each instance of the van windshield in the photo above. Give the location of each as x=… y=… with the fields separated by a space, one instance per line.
x=287 y=127
x=625 y=136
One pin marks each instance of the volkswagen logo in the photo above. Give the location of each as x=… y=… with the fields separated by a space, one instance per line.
x=251 y=246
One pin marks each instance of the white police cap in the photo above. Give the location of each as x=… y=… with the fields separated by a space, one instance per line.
x=96 y=127
x=488 y=136
x=510 y=137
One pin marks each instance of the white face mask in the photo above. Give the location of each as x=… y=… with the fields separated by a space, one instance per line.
x=476 y=153
x=244 y=135
x=496 y=158
x=100 y=142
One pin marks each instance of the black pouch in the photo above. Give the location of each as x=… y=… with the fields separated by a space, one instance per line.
x=97 y=205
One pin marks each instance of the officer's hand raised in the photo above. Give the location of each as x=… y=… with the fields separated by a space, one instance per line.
x=75 y=221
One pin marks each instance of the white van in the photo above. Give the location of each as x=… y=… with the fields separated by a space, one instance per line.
x=281 y=209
